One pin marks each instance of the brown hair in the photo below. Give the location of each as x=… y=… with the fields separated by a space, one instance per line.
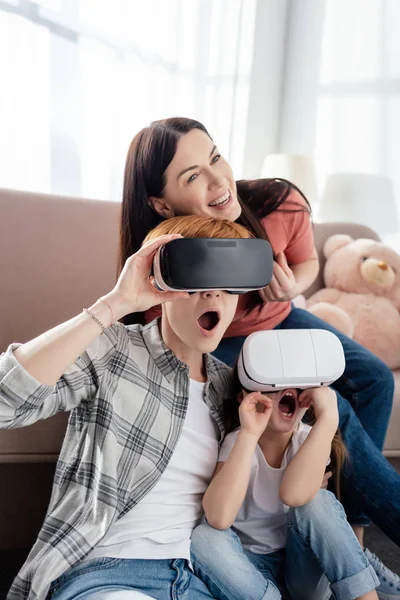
x=231 y=421
x=149 y=155
x=194 y=226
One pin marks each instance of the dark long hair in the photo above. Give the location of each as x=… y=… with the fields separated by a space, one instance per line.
x=231 y=422
x=149 y=155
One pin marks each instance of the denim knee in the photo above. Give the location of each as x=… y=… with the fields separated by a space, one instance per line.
x=322 y=510
x=205 y=534
x=377 y=372
x=385 y=380
x=219 y=561
x=208 y=542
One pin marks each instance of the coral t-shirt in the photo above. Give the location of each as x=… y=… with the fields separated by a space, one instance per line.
x=288 y=232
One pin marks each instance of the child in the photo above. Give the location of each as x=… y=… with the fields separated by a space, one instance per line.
x=286 y=531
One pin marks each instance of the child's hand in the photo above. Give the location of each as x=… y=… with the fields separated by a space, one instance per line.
x=252 y=420
x=324 y=401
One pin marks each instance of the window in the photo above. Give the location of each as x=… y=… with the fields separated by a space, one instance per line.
x=83 y=76
x=358 y=122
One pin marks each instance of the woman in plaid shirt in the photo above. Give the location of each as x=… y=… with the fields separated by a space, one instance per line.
x=143 y=433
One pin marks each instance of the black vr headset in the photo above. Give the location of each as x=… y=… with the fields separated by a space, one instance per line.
x=201 y=264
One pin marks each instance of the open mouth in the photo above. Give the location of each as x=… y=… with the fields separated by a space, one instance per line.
x=209 y=320
x=221 y=201
x=287 y=405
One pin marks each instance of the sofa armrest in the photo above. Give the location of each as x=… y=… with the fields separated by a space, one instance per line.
x=321 y=233
x=40 y=442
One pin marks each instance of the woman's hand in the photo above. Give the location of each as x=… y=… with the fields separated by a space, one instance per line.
x=254 y=412
x=324 y=401
x=283 y=285
x=134 y=291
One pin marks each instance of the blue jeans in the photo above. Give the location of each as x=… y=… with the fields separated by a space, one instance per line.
x=322 y=556
x=160 y=579
x=370 y=487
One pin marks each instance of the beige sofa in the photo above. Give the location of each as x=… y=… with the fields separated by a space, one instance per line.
x=57 y=255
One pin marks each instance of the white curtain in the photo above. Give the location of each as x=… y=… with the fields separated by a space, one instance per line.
x=358 y=117
x=80 y=77
x=339 y=87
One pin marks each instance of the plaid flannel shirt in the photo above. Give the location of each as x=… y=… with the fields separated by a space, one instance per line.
x=128 y=396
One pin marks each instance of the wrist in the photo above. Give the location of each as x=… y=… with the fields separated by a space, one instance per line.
x=295 y=291
x=115 y=306
x=248 y=437
x=328 y=420
x=100 y=313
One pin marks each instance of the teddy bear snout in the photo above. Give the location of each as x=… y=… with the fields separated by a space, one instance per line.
x=378 y=273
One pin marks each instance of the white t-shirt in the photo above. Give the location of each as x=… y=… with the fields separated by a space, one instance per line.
x=160 y=526
x=261 y=521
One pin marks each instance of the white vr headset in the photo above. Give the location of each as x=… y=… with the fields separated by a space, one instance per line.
x=290 y=358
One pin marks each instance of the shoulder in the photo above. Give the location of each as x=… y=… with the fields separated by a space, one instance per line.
x=122 y=339
x=283 y=207
x=296 y=200
x=289 y=228
x=120 y=333
x=293 y=209
x=109 y=340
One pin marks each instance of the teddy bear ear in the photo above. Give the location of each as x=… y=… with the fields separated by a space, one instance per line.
x=335 y=242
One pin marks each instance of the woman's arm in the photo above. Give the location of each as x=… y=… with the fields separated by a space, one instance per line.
x=305 y=472
x=289 y=281
x=47 y=356
x=305 y=274
x=42 y=361
x=296 y=264
x=227 y=490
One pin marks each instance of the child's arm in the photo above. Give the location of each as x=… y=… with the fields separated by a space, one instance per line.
x=304 y=474
x=227 y=490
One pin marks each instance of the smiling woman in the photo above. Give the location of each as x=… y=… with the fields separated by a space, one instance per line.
x=155 y=189
x=208 y=185
x=152 y=174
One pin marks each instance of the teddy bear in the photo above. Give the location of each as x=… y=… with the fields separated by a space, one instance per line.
x=362 y=294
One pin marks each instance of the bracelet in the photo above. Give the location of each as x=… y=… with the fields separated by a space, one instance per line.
x=89 y=312
x=111 y=310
